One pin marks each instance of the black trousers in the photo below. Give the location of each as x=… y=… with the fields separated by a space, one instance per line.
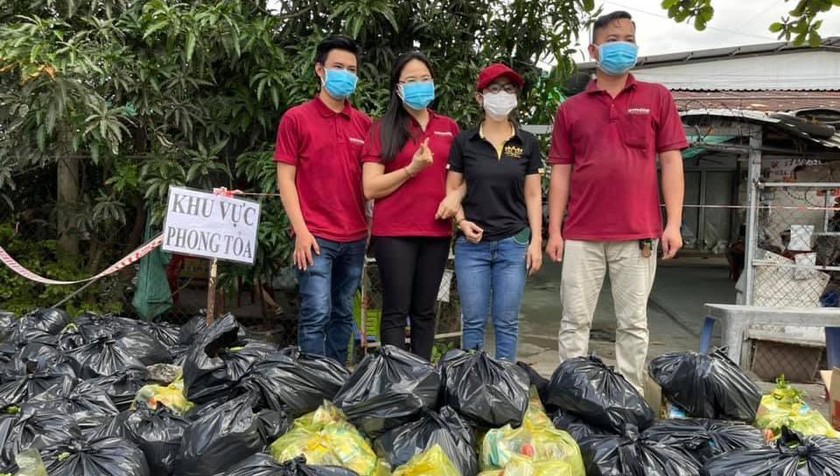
x=411 y=270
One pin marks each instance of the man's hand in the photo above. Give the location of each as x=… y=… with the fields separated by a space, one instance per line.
x=305 y=245
x=533 y=260
x=671 y=241
x=472 y=232
x=449 y=206
x=555 y=247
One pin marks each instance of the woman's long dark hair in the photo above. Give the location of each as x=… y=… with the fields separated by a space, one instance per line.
x=394 y=127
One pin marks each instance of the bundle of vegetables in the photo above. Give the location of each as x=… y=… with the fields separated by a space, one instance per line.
x=785 y=407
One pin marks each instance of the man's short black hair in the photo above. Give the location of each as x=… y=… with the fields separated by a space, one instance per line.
x=605 y=20
x=338 y=42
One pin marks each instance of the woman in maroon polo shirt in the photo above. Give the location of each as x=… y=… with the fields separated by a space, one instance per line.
x=404 y=173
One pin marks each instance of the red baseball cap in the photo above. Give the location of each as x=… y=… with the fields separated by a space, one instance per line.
x=495 y=71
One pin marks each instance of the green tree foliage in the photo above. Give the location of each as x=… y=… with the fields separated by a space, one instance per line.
x=802 y=23
x=141 y=95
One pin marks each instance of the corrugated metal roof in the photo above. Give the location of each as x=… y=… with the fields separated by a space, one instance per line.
x=766 y=101
x=831 y=43
x=786 y=123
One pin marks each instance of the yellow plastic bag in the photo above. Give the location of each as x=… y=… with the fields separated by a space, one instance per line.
x=432 y=462
x=171 y=396
x=521 y=466
x=30 y=464
x=325 y=438
x=786 y=407
x=536 y=441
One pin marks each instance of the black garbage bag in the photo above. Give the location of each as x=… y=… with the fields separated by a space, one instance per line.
x=536 y=380
x=51 y=321
x=102 y=457
x=158 y=434
x=92 y=327
x=90 y=409
x=38 y=377
x=262 y=464
x=192 y=329
x=113 y=428
x=108 y=355
x=226 y=435
x=19 y=366
x=575 y=426
x=295 y=381
x=164 y=332
x=197 y=326
x=70 y=338
x=487 y=392
x=8 y=324
x=584 y=386
x=633 y=455
x=703 y=439
x=706 y=385
x=792 y=455
x=122 y=386
x=34 y=429
x=447 y=429
x=218 y=359
x=39 y=345
x=389 y=388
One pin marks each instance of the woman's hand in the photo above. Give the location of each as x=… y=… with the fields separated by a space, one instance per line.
x=449 y=206
x=422 y=159
x=472 y=232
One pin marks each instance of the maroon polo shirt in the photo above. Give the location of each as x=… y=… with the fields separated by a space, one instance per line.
x=410 y=210
x=612 y=144
x=326 y=148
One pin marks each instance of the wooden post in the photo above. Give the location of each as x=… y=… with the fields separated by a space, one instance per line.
x=211 y=292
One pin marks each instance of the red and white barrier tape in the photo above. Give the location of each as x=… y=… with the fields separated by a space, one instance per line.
x=128 y=260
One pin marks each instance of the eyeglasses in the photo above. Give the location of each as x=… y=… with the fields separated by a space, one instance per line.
x=495 y=88
x=424 y=79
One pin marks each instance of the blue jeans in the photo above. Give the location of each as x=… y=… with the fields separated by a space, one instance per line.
x=491 y=280
x=327 y=291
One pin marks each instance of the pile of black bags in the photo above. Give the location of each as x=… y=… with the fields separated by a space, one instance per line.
x=77 y=393
x=68 y=389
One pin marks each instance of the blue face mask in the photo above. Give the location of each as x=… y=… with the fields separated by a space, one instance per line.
x=617 y=57
x=417 y=95
x=340 y=83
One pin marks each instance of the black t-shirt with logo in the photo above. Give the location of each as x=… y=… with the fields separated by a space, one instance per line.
x=495 y=198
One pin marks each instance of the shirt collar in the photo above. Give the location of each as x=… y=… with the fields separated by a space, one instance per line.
x=413 y=121
x=478 y=132
x=592 y=87
x=327 y=112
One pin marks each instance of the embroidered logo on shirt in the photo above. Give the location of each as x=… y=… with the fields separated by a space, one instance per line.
x=513 y=151
x=640 y=111
x=356 y=141
x=443 y=133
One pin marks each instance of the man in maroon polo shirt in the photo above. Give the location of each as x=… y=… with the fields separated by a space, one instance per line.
x=319 y=175
x=604 y=151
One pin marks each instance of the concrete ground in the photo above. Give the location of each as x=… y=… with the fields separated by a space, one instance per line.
x=675 y=313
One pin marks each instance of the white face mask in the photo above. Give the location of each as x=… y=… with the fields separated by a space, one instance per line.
x=499 y=105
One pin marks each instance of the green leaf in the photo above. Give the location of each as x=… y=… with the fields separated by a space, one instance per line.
x=155 y=27
x=190 y=46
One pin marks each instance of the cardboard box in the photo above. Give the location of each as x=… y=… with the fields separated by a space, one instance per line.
x=653 y=395
x=832 y=384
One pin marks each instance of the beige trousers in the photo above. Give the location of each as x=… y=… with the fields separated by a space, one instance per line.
x=584 y=266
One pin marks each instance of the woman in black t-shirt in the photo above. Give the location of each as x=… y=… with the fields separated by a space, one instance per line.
x=500 y=222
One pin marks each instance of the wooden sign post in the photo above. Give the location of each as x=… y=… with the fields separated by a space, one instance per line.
x=214 y=226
